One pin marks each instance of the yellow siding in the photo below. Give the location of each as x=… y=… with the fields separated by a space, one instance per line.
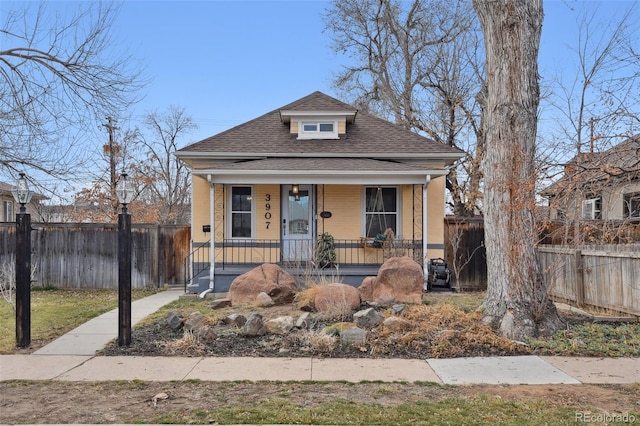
x=267 y=205
x=343 y=201
x=435 y=217
x=342 y=127
x=200 y=197
x=345 y=204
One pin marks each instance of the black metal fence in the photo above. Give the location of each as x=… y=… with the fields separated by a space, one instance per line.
x=295 y=253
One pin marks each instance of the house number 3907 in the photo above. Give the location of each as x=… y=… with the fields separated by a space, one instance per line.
x=267 y=207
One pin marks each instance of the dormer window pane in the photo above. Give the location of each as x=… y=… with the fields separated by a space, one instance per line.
x=318 y=129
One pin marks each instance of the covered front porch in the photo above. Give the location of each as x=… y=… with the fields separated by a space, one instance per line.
x=346 y=261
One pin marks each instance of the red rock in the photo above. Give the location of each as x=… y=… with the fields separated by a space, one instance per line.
x=267 y=278
x=399 y=278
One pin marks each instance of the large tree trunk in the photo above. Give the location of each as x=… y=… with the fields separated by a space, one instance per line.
x=517 y=300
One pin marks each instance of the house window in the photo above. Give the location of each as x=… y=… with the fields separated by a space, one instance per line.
x=7 y=210
x=318 y=130
x=241 y=212
x=592 y=208
x=632 y=206
x=381 y=210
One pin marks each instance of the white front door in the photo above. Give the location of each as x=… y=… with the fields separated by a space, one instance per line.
x=298 y=225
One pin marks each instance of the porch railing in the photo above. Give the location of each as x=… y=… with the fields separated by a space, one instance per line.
x=295 y=253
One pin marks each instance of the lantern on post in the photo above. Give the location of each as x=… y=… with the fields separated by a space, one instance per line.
x=125 y=194
x=22 y=196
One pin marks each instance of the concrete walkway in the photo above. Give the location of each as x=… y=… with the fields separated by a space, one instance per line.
x=72 y=358
x=96 y=333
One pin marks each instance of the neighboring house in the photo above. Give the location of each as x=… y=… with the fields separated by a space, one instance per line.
x=599 y=185
x=10 y=207
x=266 y=191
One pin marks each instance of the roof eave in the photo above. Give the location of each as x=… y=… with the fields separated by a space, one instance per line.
x=385 y=155
x=370 y=177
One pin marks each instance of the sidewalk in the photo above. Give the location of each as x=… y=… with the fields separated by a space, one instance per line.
x=72 y=358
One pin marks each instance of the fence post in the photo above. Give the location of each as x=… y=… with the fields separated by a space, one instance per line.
x=579 y=273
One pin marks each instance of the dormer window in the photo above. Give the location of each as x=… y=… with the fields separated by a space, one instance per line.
x=318 y=130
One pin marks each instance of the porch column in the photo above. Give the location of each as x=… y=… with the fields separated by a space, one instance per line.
x=212 y=244
x=425 y=264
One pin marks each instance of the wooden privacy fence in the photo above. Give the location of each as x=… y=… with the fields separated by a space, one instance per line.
x=86 y=255
x=606 y=277
x=465 y=251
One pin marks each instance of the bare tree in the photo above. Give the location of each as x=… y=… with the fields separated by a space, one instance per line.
x=98 y=202
x=598 y=106
x=599 y=103
x=166 y=178
x=416 y=63
x=59 y=76
x=517 y=300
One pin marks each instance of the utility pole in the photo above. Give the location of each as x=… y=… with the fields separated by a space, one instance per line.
x=112 y=150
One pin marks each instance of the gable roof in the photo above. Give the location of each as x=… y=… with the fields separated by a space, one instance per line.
x=367 y=136
x=587 y=170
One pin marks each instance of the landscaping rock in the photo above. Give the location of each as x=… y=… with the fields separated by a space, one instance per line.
x=396 y=324
x=368 y=318
x=353 y=336
x=220 y=303
x=175 y=321
x=304 y=321
x=195 y=320
x=263 y=300
x=366 y=289
x=399 y=278
x=280 y=325
x=337 y=328
x=338 y=298
x=267 y=278
x=205 y=334
x=398 y=308
x=235 y=320
x=254 y=326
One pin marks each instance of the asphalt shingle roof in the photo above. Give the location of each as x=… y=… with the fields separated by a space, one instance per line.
x=320 y=163
x=619 y=162
x=368 y=135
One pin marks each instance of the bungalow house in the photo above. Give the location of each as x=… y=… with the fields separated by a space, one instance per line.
x=10 y=207
x=599 y=185
x=312 y=184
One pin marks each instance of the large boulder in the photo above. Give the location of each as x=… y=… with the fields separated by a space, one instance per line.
x=268 y=278
x=399 y=278
x=337 y=298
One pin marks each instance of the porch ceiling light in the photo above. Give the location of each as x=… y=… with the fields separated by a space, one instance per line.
x=21 y=192
x=124 y=190
x=295 y=189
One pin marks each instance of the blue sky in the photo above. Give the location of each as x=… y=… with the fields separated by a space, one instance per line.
x=227 y=62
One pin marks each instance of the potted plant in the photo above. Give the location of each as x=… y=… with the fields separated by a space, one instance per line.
x=325 y=251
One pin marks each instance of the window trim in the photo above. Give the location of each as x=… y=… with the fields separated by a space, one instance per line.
x=229 y=211
x=595 y=210
x=398 y=212
x=318 y=133
x=626 y=205
x=8 y=210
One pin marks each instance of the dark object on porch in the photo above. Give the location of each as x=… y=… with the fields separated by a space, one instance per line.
x=439 y=274
x=379 y=240
x=325 y=251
